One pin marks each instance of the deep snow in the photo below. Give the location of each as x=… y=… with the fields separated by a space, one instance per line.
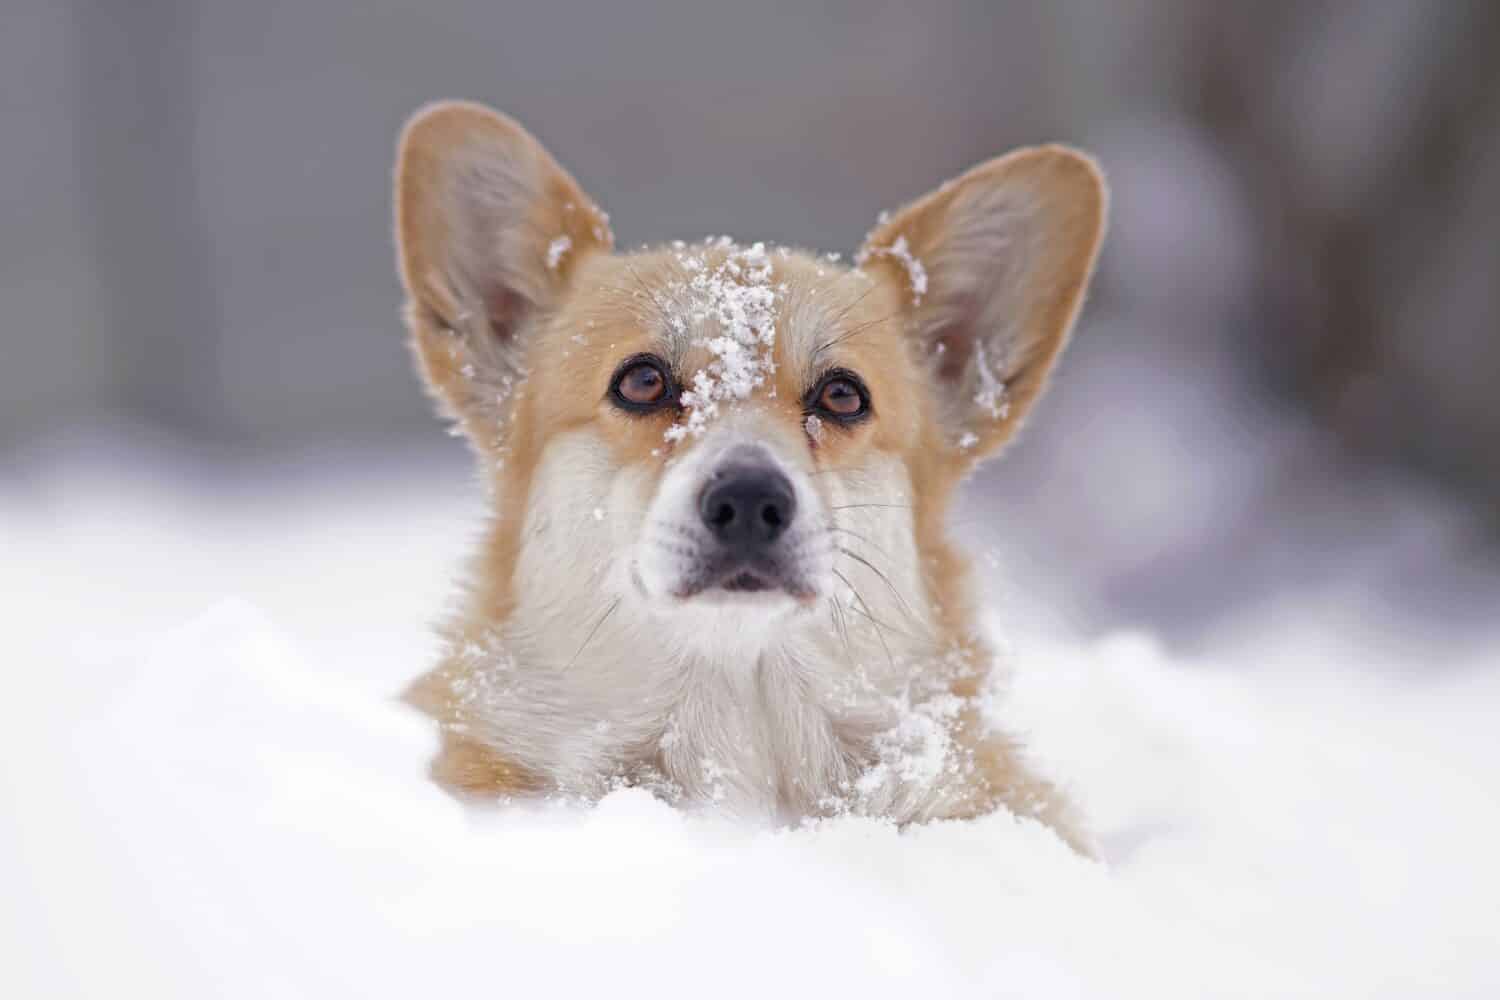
x=206 y=790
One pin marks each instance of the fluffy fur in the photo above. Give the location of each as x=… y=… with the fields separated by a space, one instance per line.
x=583 y=656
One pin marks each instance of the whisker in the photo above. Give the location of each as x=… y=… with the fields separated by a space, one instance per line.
x=632 y=300
x=593 y=632
x=864 y=538
x=917 y=640
x=841 y=624
x=910 y=614
x=854 y=331
x=857 y=300
x=650 y=293
x=844 y=312
x=839 y=468
x=879 y=633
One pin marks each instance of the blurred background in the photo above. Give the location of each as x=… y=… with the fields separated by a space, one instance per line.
x=1282 y=395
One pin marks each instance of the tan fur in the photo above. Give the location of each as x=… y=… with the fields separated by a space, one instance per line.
x=518 y=342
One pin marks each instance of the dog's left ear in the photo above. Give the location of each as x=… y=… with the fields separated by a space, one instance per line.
x=993 y=267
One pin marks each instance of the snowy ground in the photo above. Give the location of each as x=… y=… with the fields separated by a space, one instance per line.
x=205 y=790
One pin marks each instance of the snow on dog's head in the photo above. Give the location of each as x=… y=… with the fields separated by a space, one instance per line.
x=715 y=434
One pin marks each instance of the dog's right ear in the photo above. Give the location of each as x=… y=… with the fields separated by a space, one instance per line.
x=489 y=231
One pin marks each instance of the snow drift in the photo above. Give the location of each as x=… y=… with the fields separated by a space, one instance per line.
x=232 y=805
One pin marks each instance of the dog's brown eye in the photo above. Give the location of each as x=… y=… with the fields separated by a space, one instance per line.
x=642 y=384
x=840 y=395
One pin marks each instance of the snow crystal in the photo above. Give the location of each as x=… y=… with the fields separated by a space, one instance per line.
x=601 y=228
x=598 y=513
x=556 y=249
x=485 y=682
x=732 y=307
x=967 y=440
x=715 y=773
x=814 y=428
x=914 y=269
x=919 y=748
x=991 y=395
x=900 y=251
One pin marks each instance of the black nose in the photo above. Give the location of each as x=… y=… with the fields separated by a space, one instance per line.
x=748 y=507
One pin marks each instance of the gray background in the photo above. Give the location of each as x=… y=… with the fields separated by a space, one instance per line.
x=1294 y=331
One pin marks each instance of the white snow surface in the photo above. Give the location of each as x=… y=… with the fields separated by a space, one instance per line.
x=207 y=789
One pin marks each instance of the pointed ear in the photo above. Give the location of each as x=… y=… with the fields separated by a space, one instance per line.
x=994 y=266
x=489 y=230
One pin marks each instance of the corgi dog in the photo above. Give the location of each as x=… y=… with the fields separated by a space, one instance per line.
x=717 y=565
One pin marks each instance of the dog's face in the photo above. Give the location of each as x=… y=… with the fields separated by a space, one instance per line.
x=710 y=417
x=713 y=432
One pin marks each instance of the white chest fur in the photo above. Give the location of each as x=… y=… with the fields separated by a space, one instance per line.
x=777 y=711
x=797 y=732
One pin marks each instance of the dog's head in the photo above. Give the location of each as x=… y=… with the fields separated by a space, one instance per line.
x=710 y=428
